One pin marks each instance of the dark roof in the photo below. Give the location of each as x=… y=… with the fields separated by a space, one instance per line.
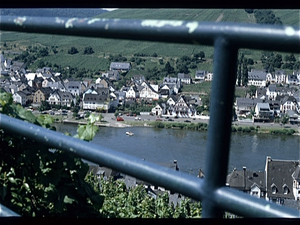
x=247 y=101
x=64 y=95
x=120 y=66
x=184 y=76
x=94 y=98
x=164 y=91
x=257 y=75
x=261 y=92
x=279 y=173
x=102 y=91
x=244 y=179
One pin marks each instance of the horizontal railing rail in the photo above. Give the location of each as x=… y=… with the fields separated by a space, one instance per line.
x=254 y=36
x=177 y=181
x=226 y=38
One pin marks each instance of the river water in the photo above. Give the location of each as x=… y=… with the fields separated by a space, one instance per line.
x=188 y=147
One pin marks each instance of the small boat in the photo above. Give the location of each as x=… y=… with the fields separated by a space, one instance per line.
x=129 y=133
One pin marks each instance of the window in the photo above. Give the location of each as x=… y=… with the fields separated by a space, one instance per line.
x=274 y=189
x=285 y=189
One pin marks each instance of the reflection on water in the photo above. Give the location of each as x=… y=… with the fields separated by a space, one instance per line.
x=254 y=143
x=162 y=146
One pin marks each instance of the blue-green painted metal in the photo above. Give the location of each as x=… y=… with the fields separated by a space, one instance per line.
x=254 y=36
x=6 y=212
x=227 y=38
x=176 y=181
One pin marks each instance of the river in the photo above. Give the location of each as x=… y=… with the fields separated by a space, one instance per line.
x=188 y=147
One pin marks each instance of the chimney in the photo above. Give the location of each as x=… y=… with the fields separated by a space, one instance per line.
x=244 y=176
x=175 y=163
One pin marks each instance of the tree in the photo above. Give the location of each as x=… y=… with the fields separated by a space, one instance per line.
x=168 y=68
x=88 y=50
x=43 y=52
x=182 y=68
x=161 y=61
x=43 y=183
x=40 y=64
x=250 y=61
x=285 y=119
x=202 y=55
x=252 y=90
x=72 y=51
x=44 y=106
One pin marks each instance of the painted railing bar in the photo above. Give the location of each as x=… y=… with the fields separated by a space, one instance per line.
x=159 y=175
x=244 y=204
x=6 y=212
x=253 y=36
x=221 y=103
x=179 y=182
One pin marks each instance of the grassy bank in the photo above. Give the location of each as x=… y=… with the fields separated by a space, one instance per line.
x=204 y=127
x=265 y=130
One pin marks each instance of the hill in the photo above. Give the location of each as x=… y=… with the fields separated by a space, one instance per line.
x=103 y=47
x=59 y=12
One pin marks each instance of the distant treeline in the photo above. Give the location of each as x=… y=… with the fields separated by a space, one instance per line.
x=60 y=12
x=264 y=16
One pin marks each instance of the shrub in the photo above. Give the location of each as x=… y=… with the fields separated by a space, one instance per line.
x=239 y=129
x=233 y=129
x=158 y=124
x=252 y=128
x=246 y=129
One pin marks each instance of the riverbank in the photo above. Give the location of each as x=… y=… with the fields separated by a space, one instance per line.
x=109 y=121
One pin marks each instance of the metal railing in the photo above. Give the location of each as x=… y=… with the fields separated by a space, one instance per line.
x=226 y=38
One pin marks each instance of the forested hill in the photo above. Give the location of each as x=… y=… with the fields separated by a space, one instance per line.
x=53 y=12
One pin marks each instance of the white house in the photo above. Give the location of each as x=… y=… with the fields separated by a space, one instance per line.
x=147 y=92
x=209 y=76
x=184 y=78
x=96 y=102
x=200 y=75
x=74 y=87
x=132 y=92
x=181 y=108
x=280 y=76
x=61 y=98
x=120 y=66
x=20 y=97
x=292 y=79
x=288 y=103
x=257 y=78
x=262 y=111
x=157 y=110
x=296 y=183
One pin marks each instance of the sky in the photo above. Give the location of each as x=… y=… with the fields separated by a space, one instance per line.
x=110 y=9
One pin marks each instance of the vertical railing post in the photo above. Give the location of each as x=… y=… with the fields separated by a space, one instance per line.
x=221 y=103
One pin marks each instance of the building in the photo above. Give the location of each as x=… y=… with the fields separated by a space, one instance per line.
x=257 y=78
x=120 y=66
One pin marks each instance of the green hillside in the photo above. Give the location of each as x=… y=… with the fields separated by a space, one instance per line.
x=233 y=15
x=103 y=47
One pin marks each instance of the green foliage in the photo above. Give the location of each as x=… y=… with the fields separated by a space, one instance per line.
x=136 y=203
x=266 y=17
x=87 y=132
x=44 y=106
x=285 y=119
x=88 y=50
x=72 y=51
x=37 y=182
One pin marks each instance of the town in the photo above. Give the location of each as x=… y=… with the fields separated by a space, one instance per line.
x=272 y=97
